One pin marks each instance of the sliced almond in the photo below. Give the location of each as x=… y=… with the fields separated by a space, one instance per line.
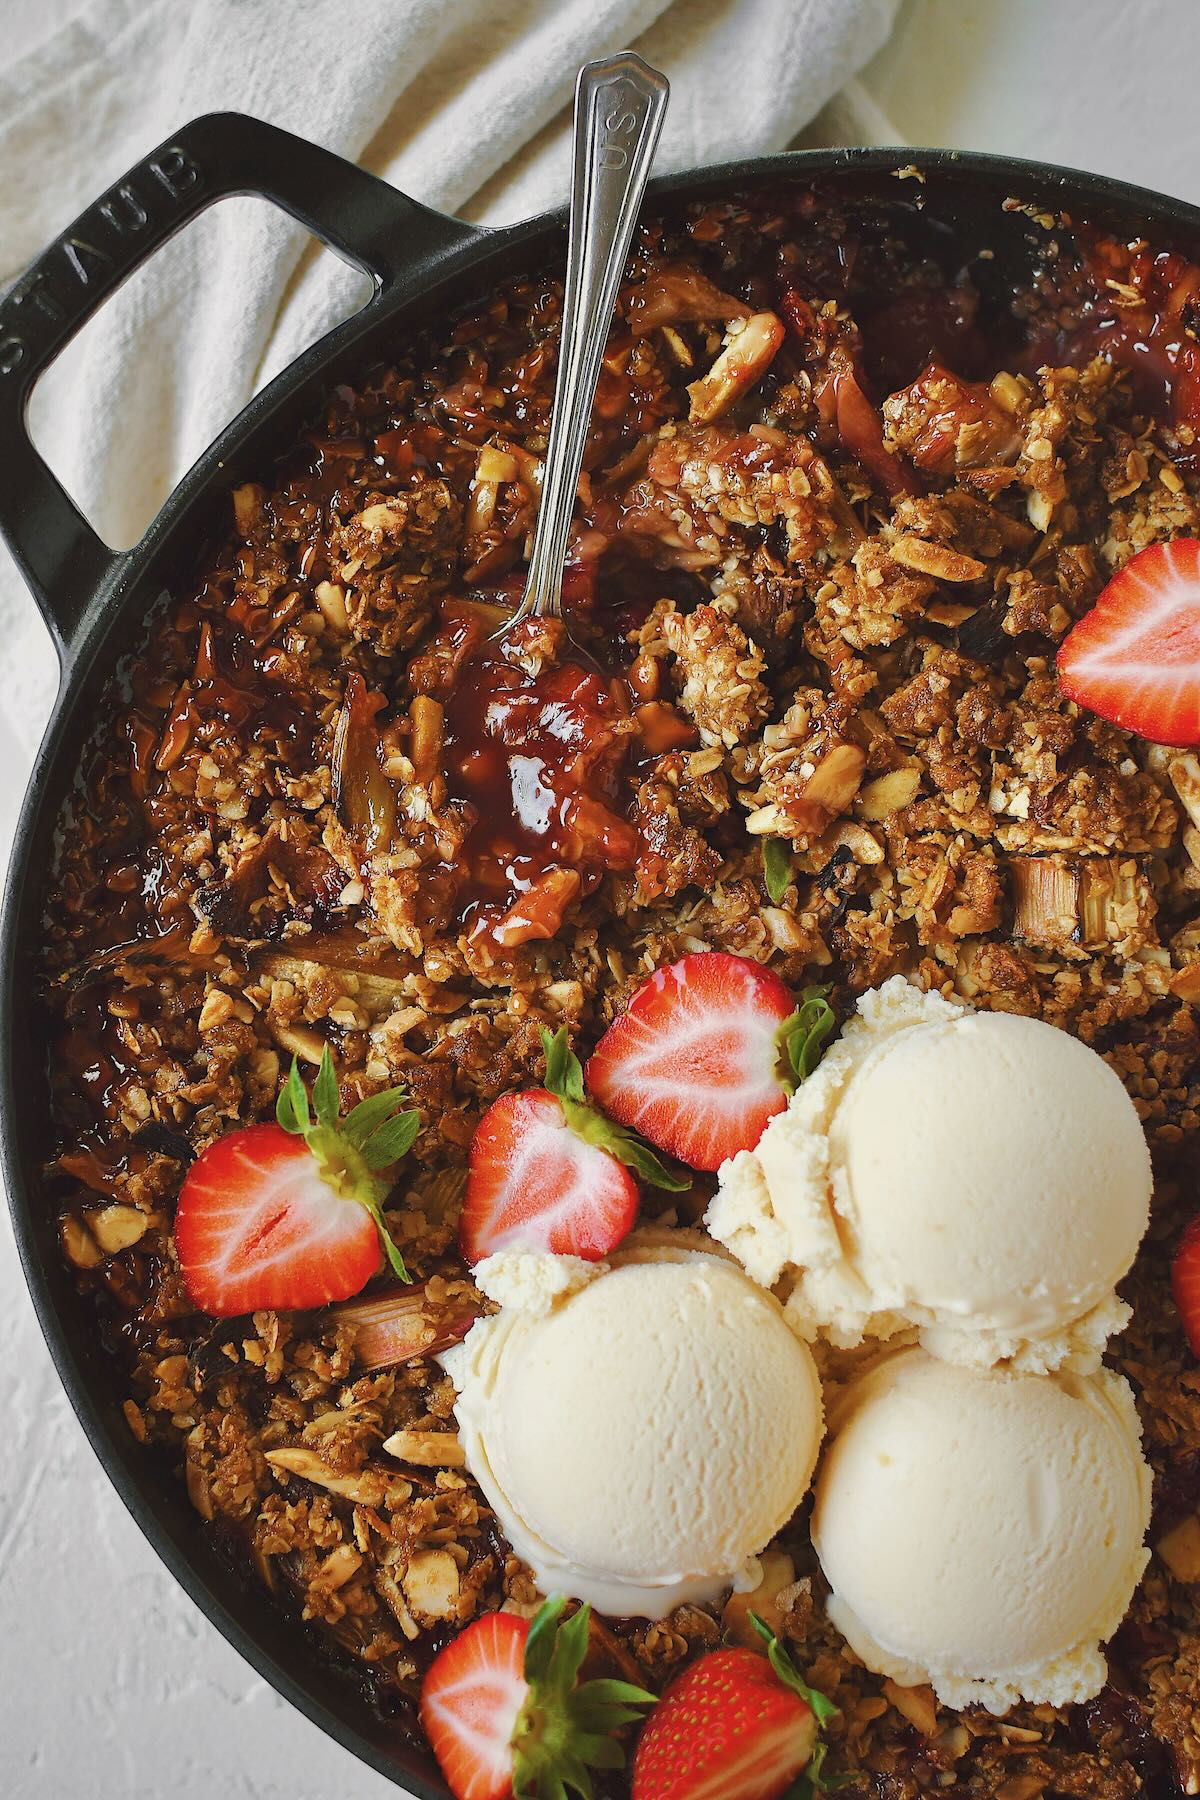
x=1184 y=770
x=331 y=598
x=888 y=793
x=427 y=1449
x=367 y=1486
x=300 y=1040
x=431 y=1586
x=340 y=1565
x=677 y=346
x=1185 y=982
x=217 y=1008
x=79 y=1246
x=936 y=560
x=741 y=363
x=378 y=519
x=496 y=465
x=916 y=1704
x=1180 y=1549
x=776 y=1572
x=849 y=835
x=116 y=1227
x=247 y=505
x=829 y=790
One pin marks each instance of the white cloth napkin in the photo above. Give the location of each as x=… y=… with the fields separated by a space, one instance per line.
x=463 y=103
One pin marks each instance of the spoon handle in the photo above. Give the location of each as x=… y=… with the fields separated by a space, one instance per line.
x=619 y=106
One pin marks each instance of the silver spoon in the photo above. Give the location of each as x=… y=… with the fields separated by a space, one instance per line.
x=619 y=106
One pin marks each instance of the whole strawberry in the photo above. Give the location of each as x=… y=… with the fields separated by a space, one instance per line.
x=733 y=1726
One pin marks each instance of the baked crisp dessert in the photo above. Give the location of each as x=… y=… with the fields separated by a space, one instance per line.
x=838 y=514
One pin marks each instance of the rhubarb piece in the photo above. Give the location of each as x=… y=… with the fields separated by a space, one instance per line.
x=362 y=794
x=395 y=1326
x=1185 y=1284
x=942 y=422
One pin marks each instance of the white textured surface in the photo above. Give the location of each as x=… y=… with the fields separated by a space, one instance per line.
x=91 y=1711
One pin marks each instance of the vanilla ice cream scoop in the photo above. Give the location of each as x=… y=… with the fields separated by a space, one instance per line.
x=982 y=1530
x=641 y=1437
x=979 y=1177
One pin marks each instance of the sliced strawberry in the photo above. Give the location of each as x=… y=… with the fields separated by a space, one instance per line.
x=1185 y=1284
x=535 y=1185
x=471 y=1699
x=286 y=1216
x=699 y=1062
x=503 y=1707
x=257 y=1226
x=1135 y=658
x=734 y=1726
x=548 y=1172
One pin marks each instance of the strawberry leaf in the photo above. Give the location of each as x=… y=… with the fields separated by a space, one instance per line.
x=565 y=1728
x=803 y=1036
x=570 y=1649
x=391 y=1140
x=564 y=1075
x=375 y=1134
x=814 y=1782
x=291 y=1108
x=564 y=1079
x=539 y=1645
x=781 y=1663
x=777 y=867
x=368 y=1115
x=594 y=1127
x=326 y=1098
x=395 y=1261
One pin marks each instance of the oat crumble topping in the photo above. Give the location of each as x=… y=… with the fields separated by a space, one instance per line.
x=835 y=518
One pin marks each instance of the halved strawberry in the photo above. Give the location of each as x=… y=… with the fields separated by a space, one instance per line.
x=709 y=1050
x=287 y=1216
x=1135 y=658
x=471 y=1699
x=503 y=1708
x=733 y=1726
x=1185 y=1283
x=549 y=1172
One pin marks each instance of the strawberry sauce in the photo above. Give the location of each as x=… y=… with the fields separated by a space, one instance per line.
x=541 y=757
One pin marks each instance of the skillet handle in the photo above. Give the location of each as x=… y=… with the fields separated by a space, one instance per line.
x=363 y=219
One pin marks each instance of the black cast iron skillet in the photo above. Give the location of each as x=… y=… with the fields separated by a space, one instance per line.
x=95 y=602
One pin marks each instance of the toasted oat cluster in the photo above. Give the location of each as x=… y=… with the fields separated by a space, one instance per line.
x=838 y=511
